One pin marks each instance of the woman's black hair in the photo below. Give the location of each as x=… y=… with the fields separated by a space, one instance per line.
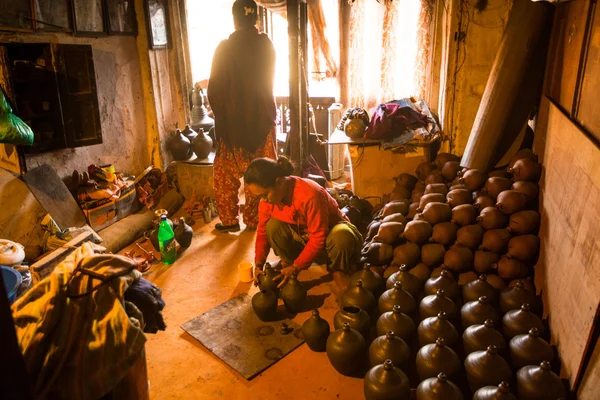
x=264 y=172
x=245 y=13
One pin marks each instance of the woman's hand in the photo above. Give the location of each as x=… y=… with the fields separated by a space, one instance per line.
x=285 y=274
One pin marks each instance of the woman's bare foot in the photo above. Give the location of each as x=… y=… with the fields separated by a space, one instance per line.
x=341 y=279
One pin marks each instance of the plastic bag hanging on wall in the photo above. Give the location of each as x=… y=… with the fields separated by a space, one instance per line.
x=12 y=128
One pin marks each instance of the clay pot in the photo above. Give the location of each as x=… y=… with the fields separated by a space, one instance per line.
x=524 y=222
x=529 y=349
x=446 y=282
x=179 y=146
x=346 y=349
x=154 y=239
x=486 y=368
x=394 y=207
x=433 y=304
x=444 y=233
x=477 y=312
x=484 y=261
x=398 y=322
x=410 y=282
x=386 y=382
x=353 y=316
x=377 y=253
x=457 y=197
x=264 y=304
x=389 y=233
x=519 y=322
x=293 y=295
x=442 y=158
x=359 y=297
x=371 y=281
x=315 y=331
x=389 y=347
x=183 y=234
x=407 y=180
x=422 y=272
x=265 y=280
x=539 y=383
x=372 y=230
x=480 y=337
x=500 y=392
x=189 y=133
x=438 y=388
x=407 y=253
x=480 y=287
x=397 y=297
x=473 y=179
x=435 y=358
x=512 y=298
x=470 y=236
x=432 y=328
x=497 y=282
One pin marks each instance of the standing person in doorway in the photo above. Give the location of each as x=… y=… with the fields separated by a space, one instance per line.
x=301 y=222
x=240 y=92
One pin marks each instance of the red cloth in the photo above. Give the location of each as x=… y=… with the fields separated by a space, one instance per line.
x=388 y=120
x=311 y=209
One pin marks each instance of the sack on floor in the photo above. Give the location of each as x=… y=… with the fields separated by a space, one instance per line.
x=12 y=128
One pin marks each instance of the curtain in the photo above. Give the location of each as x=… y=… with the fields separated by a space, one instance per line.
x=320 y=43
x=424 y=25
x=382 y=52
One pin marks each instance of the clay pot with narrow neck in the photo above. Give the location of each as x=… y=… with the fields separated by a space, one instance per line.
x=179 y=146
x=371 y=280
x=389 y=347
x=202 y=145
x=438 y=388
x=264 y=304
x=486 y=368
x=539 y=383
x=357 y=319
x=500 y=392
x=480 y=337
x=519 y=322
x=397 y=296
x=512 y=298
x=189 y=133
x=266 y=280
x=386 y=382
x=477 y=312
x=433 y=304
x=447 y=283
x=315 y=331
x=529 y=349
x=398 y=322
x=183 y=234
x=346 y=350
x=410 y=282
x=473 y=290
x=293 y=295
x=435 y=358
x=432 y=328
x=360 y=297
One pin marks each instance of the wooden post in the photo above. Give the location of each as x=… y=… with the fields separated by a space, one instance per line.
x=525 y=30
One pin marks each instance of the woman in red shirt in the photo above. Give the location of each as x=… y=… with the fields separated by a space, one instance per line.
x=301 y=222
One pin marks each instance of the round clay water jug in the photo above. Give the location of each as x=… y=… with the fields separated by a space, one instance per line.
x=346 y=350
x=529 y=349
x=397 y=297
x=398 y=322
x=202 y=145
x=389 y=347
x=410 y=282
x=189 y=133
x=519 y=322
x=486 y=368
x=265 y=280
x=356 y=317
x=539 y=383
x=293 y=295
x=512 y=298
x=183 y=234
x=315 y=331
x=477 y=312
x=438 y=388
x=435 y=358
x=371 y=280
x=446 y=282
x=480 y=337
x=433 y=304
x=179 y=146
x=264 y=304
x=500 y=392
x=386 y=382
x=432 y=328
x=473 y=290
x=360 y=297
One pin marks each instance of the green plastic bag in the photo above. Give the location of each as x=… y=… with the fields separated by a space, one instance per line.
x=12 y=128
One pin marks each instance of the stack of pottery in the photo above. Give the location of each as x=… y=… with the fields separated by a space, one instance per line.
x=179 y=146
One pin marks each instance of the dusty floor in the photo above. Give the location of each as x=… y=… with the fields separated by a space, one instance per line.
x=204 y=276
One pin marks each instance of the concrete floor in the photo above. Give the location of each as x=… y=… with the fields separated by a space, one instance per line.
x=204 y=276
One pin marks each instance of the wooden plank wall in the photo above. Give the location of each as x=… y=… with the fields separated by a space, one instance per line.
x=568 y=270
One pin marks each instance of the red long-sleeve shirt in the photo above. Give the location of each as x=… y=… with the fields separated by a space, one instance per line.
x=310 y=208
